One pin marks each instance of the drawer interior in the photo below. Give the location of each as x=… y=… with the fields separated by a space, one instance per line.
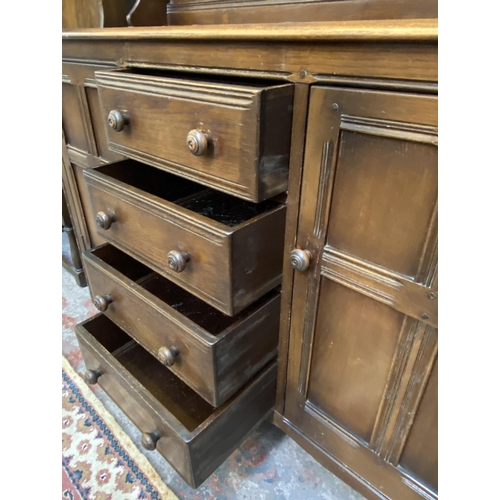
x=224 y=208
x=207 y=202
x=198 y=311
x=180 y=400
x=193 y=78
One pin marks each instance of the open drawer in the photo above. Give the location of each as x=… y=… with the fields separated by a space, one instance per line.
x=213 y=353
x=194 y=437
x=233 y=135
x=227 y=252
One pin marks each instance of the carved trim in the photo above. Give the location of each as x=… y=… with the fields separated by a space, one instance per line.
x=77 y=155
x=375 y=83
x=324 y=189
x=312 y=297
x=89 y=62
x=420 y=372
x=402 y=361
x=387 y=287
x=164 y=210
x=90 y=82
x=424 y=493
x=318 y=414
x=228 y=95
x=189 y=173
x=84 y=159
x=427 y=268
x=389 y=128
x=300 y=101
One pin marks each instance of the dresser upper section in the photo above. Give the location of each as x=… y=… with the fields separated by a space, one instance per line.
x=381 y=51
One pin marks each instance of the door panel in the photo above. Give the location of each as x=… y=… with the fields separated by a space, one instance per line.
x=383 y=187
x=363 y=339
x=350 y=329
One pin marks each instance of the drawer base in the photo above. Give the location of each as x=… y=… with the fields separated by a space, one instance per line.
x=191 y=435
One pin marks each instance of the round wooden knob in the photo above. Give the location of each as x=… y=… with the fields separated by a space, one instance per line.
x=91 y=376
x=102 y=302
x=104 y=220
x=300 y=259
x=149 y=439
x=197 y=142
x=117 y=120
x=167 y=356
x=177 y=260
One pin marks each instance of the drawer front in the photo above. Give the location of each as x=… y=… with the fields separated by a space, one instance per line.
x=149 y=235
x=228 y=268
x=181 y=426
x=234 y=138
x=214 y=365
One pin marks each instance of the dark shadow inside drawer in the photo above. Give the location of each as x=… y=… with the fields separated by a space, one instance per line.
x=207 y=202
x=182 y=402
x=193 y=308
x=240 y=81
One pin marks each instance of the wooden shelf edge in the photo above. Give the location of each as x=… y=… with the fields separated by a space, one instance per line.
x=416 y=30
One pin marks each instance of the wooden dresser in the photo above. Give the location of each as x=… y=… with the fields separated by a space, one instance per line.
x=243 y=192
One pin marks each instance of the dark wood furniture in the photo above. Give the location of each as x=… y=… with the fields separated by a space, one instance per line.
x=363 y=326
x=78 y=14
x=357 y=363
x=71 y=258
x=182 y=12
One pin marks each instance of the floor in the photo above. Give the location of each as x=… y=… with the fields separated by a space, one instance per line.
x=268 y=465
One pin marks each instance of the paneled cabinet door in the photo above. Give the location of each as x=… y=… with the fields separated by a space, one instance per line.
x=362 y=372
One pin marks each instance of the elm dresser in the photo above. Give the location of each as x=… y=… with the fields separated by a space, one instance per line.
x=257 y=205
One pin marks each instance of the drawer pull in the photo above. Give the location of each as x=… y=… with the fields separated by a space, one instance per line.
x=167 y=356
x=102 y=302
x=91 y=376
x=104 y=220
x=149 y=439
x=197 y=142
x=300 y=259
x=177 y=260
x=117 y=120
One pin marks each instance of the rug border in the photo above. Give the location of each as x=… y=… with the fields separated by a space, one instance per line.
x=163 y=490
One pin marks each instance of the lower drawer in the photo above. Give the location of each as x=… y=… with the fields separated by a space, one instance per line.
x=212 y=353
x=193 y=436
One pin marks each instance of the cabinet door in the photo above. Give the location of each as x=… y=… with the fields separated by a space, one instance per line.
x=362 y=372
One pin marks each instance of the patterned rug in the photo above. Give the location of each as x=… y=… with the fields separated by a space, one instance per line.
x=100 y=461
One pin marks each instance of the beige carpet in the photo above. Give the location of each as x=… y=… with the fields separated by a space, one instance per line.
x=100 y=461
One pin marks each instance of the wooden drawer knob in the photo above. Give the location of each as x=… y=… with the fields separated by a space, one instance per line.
x=197 y=142
x=117 y=120
x=102 y=302
x=167 y=356
x=300 y=259
x=149 y=439
x=104 y=220
x=91 y=376
x=177 y=260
